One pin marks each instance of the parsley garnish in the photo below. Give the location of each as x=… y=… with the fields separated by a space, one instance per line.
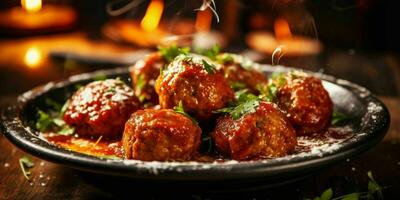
x=26 y=163
x=208 y=67
x=211 y=52
x=269 y=91
x=237 y=85
x=225 y=58
x=140 y=82
x=338 y=118
x=374 y=190
x=169 y=53
x=245 y=103
x=53 y=121
x=100 y=77
x=180 y=109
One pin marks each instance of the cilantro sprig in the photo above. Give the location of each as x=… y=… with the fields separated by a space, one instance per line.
x=180 y=109
x=169 y=53
x=211 y=52
x=338 y=118
x=374 y=192
x=53 y=120
x=211 y=69
x=269 y=91
x=25 y=164
x=246 y=103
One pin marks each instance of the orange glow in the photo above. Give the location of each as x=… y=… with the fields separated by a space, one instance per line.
x=153 y=15
x=282 y=29
x=33 y=57
x=31 y=5
x=203 y=20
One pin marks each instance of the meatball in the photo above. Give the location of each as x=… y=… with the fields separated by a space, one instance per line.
x=101 y=108
x=161 y=135
x=305 y=101
x=264 y=133
x=144 y=74
x=194 y=81
x=241 y=72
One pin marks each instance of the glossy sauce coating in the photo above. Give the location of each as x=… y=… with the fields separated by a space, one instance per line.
x=162 y=135
x=101 y=108
x=236 y=73
x=266 y=133
x=144 y=74
x=306 y=103
x=200 y=91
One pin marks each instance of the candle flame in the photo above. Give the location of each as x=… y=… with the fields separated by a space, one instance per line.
x=31 y=5
x=203 y=20
x=153 y=15
x=282 y=29
x=33 y=57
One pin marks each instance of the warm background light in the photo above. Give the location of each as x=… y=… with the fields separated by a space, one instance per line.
x=32 y=5
x=153 y=15
x=33 y=57
x=282 y=29
x=203 y=20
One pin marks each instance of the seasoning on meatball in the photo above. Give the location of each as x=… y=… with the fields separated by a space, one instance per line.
x=101 y=108
x=161 y=135
x=241 y=72
x=305 y=101
x=264 y=133
x=194 y=80
x=144 y=74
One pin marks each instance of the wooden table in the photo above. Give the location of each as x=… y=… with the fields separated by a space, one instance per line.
x=51 y=181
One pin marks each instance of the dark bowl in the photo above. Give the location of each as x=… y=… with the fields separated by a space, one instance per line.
x=369 y=123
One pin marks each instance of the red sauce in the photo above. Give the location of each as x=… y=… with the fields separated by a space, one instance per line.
x=92 y=146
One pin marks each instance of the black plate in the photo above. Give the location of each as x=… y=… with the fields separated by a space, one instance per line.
x=370 y=121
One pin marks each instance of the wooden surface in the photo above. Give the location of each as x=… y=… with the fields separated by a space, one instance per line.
x=51 y=181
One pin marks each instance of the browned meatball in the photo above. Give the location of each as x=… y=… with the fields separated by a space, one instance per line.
x=194 y=81
x=265 y=133
x=144 y=74
x=305 y=101
x=161 y=135
x=101 y=108
x=241 y=72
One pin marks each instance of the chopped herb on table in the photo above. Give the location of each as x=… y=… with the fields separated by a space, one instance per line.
x=374 y=192
x=26 y=163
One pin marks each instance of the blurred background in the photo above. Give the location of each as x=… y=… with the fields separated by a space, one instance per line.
x=47 y=40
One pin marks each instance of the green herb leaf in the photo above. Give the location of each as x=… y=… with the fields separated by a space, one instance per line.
x=55 y=105
x=180 y=109
x=245 y=103
x=110 y=157
x=25 y=163
x=44 y=121
x=64 y=108
x=225 y=58
x=66 y=130
x=211 y=69
x=338 y=118
x=373 y=186
x=211 y=52
x=140 y=82
x=327 y=194
x=100 y=77
x=237 y=85
x=169 y=53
